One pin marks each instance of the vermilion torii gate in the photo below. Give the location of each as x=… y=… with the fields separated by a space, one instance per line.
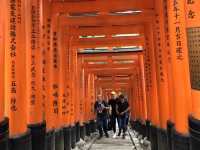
x=42 y=78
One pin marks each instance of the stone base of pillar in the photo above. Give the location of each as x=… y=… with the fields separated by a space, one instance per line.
x=4 y=134
x=82 y=131
x=59 y=139
x=22 y=142
x=180 y=141
x=194 y=129
x=73 y=136
x=143 y=129
x=162 y=139
x=137 y=126
x=50 y=140
x=67 y=138
x=148 y=124
x=170 y=128
x=153 y=137
x=38 y=132
x=77 y=132
x=88 y=128
x=133 y=124
x=92 y=126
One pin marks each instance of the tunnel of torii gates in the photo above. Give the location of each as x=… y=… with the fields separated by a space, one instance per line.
x=49 y=83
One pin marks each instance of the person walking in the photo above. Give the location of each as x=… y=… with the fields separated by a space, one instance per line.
x=101 y=109
x=122 y=109
x=113 y=116
x=128 y=113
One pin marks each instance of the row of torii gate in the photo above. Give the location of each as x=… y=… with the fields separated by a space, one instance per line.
x=49 y=88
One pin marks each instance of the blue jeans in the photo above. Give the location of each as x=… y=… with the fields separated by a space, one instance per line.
x=102 y=122
x=113 y=122
x=123 y=123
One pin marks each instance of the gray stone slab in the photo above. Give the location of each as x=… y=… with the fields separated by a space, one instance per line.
x=113 y=143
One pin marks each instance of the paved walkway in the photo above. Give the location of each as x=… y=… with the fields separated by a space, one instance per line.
x=92 y=143
x=113 y=144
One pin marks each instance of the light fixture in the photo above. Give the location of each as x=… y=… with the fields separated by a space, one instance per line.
x=126 y=35
x=126 y=12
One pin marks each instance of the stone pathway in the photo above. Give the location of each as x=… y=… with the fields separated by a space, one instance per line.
x=92 y=143
x=113 y=144
x=118 y=143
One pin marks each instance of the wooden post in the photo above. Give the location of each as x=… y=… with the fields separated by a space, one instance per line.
x=34 y=45
x=193 y=26
x=180 y=67
x=151 y=84
x=162 y=68
x=193 y=37
x=143 y=89
x=46 y=63
x=64 y=104
x=54 y=72
x=34 y=63
x=2 y=61
x=15 y=48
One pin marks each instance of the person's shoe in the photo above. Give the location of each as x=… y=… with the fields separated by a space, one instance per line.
x=124 y=136
x=119 y=134
x=114 y=136
x=100 y=136
x=107 y=135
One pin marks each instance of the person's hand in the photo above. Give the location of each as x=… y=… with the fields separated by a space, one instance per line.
x=121 y=113
x=108 y=108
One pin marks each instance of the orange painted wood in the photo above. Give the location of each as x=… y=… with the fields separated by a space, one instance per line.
x=192 y=21
x=46 y=82
x=162 y=68
x=99 y=56
x=34 y=63
x=71 y=84
x=87 y=103
x=54 y=70
x=89 y=97
x=140 y=111
x=180 y=67
x=15 y=56
x=2 y=61
x=110 y=71
x=114 y=42
x=105 y=20
x=92 y=97
x=107 y=30
x=101 y=6
x=76 y=88
x=192 y=13
x=152 y=87
x=63 y=96
x=81 y=90
x=195 y=94
x=134 y=106
x=169 y=63
x=148 y=74
x=68 y=60
x=143 y=88
x=114 y=66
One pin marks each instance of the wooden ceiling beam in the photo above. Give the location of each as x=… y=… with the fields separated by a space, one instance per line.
x=106 y=20
x=103 y=42
x=101 y=6
x=111 y=83
x=110 y=66
x=107 y=30
x=111 y=71
x=103 y=56
x=88 y=61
